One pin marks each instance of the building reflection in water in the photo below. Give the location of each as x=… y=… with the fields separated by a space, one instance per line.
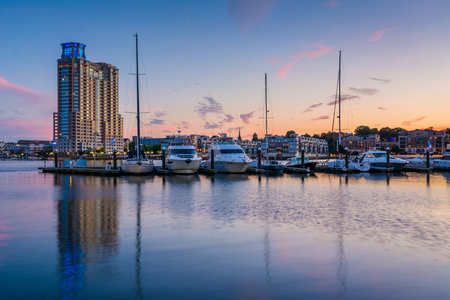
x=87 y=228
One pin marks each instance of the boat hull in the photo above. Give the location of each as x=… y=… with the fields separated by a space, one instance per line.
x=184 y=166
x=442 y=164
x=380 y=166
x=273 y=169
x=311 y=165
x=225 y=166
x=137 y=168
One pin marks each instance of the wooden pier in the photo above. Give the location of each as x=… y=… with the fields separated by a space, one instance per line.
x=82 y=170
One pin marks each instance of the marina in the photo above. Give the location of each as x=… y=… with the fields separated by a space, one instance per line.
x=322 y=236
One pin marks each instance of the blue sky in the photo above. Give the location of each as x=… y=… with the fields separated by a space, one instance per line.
x=205 y=62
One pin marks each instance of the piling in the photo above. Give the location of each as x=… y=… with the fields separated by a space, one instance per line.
x=259 y=158
x=115 y=159
x=346 y=158
x=163 y=158
x=388 y=158
x=428 y=158
x=212 y=159
x=56 y=158
x=303 y=158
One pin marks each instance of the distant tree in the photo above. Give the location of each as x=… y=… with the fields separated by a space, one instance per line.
x=99 y=150
x=431 y=127
x=255 y=137
x=132 y=146
x=447 y=131
x=289 y=132
x=386 y=133
x=365 y=130
x=395 y=150
x=316 y=136
x=331 y=145
x=155 y=148
x=306 y=135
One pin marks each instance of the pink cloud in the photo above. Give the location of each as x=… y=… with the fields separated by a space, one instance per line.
x=15 y=129
x=16 y=88
x=381 y=108
x=321 y=50
x=344 y=98
x=246 y=117
x=373 y=37
x=408 y=123
x=321 y=118
x=332 y=4
x=252 y=79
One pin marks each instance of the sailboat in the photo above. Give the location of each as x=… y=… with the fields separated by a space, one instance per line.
x=338 y=163
x=137 y=163
x=269 y=166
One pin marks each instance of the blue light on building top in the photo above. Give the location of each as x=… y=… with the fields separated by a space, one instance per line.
x=72 y=50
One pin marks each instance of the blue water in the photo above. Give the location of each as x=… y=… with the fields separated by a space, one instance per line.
x=364 y=236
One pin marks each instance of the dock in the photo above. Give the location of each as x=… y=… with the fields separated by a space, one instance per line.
x=297 y=170
x=82 y=170
x=203 y=170
x=252 y=170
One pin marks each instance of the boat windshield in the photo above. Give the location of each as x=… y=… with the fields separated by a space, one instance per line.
x=182 y=151
x=231 y=151
x=378 y=155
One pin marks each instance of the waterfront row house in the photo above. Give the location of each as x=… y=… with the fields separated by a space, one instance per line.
x=281 y=147
x=417 y=141
x=88 y=103
x=360 y=143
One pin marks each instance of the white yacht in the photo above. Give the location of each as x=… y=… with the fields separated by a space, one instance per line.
x=228 y=156
x=182 y=159
x=378 y=160
x=443 y=163
x=136 y=162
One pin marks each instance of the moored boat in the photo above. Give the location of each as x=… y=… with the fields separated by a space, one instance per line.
x=228 y=156
x=444 y=163
x=183 y=159
x=136 y=162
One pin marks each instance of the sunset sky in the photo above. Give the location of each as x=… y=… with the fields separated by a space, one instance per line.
x=205 y=63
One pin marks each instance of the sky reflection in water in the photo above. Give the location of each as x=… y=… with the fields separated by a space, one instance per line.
x=365 y=236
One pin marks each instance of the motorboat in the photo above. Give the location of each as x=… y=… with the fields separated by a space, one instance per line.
x=359 y=165
x=182 y=159
x=420 y=161
x=443 y=163
x=378 y=161
x=296 y=162
x=272 y=167
x=228 y=156
x=136 y=162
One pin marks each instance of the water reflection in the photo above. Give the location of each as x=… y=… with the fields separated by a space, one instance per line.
x=138 y=285
x=87 y=228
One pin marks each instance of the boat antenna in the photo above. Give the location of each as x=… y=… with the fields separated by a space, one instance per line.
x=137 y=101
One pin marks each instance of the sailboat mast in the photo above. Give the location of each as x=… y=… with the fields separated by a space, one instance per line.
x=265 y=108
x=339 y=98
x=138 y=140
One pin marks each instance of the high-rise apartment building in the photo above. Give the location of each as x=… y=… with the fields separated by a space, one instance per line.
x=88 y=103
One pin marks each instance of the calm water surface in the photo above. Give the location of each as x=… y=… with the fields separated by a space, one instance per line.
x=365 y=236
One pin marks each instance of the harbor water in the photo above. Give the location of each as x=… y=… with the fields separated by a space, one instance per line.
x=326 y=236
